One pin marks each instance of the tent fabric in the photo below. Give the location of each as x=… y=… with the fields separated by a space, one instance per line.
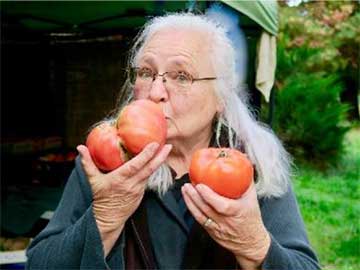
x=86 y=16
x=266 y=64
x=263 y=12
x=107 y=15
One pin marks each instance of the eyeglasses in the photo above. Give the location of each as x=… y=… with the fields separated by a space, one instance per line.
x=179 y=80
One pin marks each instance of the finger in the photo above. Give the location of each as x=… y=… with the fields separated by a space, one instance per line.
x=194 y=210
x=250 y=191
x=199 y=202
x=134 y=165
x=88 y=164
x=153 y=165
x=222 y=205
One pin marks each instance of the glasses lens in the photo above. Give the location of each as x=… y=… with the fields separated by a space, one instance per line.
x=145 y=74
x=180 y=80
x=141 y=75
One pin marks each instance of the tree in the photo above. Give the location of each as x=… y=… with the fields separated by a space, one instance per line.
x=333 y=28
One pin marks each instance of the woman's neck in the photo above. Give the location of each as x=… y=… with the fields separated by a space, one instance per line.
x=180 y=157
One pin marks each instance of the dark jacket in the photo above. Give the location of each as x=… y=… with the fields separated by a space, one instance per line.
x=156 y=236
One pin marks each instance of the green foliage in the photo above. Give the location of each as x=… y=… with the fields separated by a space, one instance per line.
x=308 y=117
x=330 y=206
x=332 y=26
x=294 y=60
x=316 y=47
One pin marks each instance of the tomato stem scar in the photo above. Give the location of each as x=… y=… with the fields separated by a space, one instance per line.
x=222 y=154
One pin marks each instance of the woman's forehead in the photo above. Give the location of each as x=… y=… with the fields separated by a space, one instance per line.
x=176 y=60
x=185 y=47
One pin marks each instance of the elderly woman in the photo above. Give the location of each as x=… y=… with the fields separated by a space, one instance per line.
x=145 y=214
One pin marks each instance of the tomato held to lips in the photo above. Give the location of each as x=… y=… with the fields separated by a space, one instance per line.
x=104 y=146
x=140 y=123
x=226 y=171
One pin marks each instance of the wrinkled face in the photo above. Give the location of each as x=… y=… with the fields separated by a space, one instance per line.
x=189 y=107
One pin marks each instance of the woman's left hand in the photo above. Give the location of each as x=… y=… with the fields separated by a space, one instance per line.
x=234 y=224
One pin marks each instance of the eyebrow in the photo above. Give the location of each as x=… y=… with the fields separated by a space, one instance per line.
x=148 y=60
x=181 y=63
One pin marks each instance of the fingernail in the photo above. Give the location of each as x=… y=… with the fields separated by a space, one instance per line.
x=78 y=148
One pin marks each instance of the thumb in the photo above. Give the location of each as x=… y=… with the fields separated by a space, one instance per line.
x=88 y=164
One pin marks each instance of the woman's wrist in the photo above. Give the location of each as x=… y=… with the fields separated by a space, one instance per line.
x=256 y=255
x=109 y=237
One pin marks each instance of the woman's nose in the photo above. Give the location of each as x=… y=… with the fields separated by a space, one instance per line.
x=158 y=91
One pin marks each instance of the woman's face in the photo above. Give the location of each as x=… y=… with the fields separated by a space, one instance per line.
x=191 y=109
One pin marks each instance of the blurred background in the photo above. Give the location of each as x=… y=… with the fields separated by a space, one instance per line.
x=63 y=64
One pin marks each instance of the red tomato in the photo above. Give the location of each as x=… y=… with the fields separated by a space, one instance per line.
x=140 y=123
x=226 y=171
x=104 y=146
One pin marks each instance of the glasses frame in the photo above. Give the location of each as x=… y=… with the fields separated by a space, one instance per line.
x=155 y=75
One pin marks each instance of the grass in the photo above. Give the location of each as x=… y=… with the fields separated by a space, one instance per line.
x=330 y=206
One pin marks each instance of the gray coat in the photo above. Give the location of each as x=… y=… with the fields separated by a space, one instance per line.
x=156 y=236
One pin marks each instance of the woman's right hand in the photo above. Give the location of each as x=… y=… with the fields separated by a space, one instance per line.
x=117 y=194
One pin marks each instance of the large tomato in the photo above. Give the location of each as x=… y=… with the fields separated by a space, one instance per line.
x=105 y=148
x=140 y=123
x=226 y=171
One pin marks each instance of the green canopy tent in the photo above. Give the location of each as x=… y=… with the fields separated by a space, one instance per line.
x=264 y=13
x=85 y=17
x=97 y=16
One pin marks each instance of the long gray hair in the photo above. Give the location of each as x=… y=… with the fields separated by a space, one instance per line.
x=266 y=152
